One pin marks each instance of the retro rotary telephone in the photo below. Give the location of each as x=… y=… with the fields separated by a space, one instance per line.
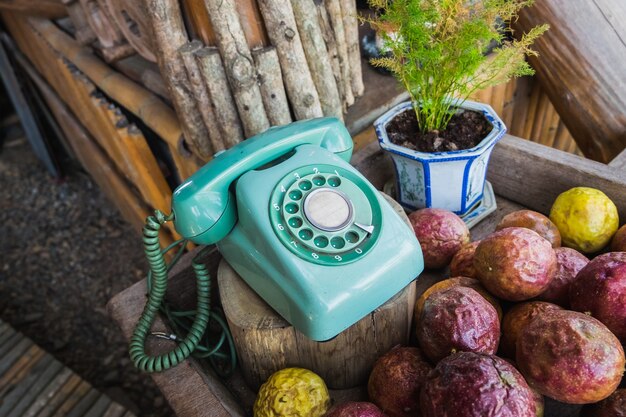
x=300 y=225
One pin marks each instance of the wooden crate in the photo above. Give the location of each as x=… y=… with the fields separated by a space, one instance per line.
x=524 y=175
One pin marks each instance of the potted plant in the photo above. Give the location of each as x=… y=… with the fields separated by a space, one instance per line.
x=439 y=141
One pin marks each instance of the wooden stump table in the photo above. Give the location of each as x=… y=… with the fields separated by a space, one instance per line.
x=267 y=343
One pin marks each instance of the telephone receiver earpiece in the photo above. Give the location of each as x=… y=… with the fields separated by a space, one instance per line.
x=204 y=206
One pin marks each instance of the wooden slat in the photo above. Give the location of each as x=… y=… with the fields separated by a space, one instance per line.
x=20 y=367
x=6 y=335
x=60 y=396
x=96 y=410
x=76 y=396
x=27 y=387
x=592 y=110
x=114 y=410
x=534 y=175
x=48 y=392
x=32 y=394
x=620 y=161
x=45 y=8
x=12 y=353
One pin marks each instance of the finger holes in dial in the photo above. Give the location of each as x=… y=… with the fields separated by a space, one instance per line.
x=292 y=208
x=295 y=222
x=305 y=185
x=334 y=181
x=337 y=242
x=319 y=180
x=321 y=241
x=305 y=234
x=295 y=195
x=352 y=237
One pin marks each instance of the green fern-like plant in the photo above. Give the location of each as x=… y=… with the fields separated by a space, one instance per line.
x=437 y=50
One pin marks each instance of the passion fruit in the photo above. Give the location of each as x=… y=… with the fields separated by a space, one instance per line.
x=441 y=234
x=600 y=289
x=355 y=409
x=570 y=357
x=515 y=263
x=468 y=384
x=457 y=319
x=569 y=262
x=396 y=380
x=534 y=221
x=456 y=282
x=462 y=264
x=516 y=319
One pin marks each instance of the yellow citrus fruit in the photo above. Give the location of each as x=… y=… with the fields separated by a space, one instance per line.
x=586 y=218
x=294 y=392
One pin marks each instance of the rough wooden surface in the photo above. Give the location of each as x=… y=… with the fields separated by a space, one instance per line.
x=335 y=17
x=267 y=343
x=317 y=57
x=157 y=115
x=102 y=23
x=271 y=84
x=214 y=76
x=571 y=51
x=283 y=32
x=534 y=175
x=201 y=94
x=170 y=35
x=351 y=26
x=33 y=383
x=238 y=65
x=82 y=31
x=331 y=46
x=619 y=162
x=44 y=8
x=132 y=20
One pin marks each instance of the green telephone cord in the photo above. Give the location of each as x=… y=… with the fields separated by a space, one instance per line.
x=157 y=285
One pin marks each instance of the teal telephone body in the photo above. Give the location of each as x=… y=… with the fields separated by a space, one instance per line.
x=301 y=226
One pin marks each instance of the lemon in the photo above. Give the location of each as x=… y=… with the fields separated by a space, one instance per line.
x=586 y=218
x=294 y=392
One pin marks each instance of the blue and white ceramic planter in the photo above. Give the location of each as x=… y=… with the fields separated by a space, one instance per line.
x=452 y=180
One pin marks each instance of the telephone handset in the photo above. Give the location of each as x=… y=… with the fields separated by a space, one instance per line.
x=301 y=226
x=206 y=207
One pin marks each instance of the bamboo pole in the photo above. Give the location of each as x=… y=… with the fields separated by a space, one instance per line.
x=148 y=107
x=531 y=111
x=102 y=24
x=44 y=8
x=540 y=118
x=331 y=47
x=351 y=26
x=215 y=79
x=131 y=18
x=336 y=21
x=201 y=94
x=82 y=31
x=169 y=34
x=271 y=83
x=283 y=32
x=317 y=57
x=238 y=65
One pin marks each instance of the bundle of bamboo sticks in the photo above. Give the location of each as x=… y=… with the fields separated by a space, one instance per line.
x=254 y=64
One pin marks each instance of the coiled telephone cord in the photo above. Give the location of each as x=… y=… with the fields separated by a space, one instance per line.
x=157 y=285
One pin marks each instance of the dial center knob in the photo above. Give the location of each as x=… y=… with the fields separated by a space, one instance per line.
x=327 y=209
